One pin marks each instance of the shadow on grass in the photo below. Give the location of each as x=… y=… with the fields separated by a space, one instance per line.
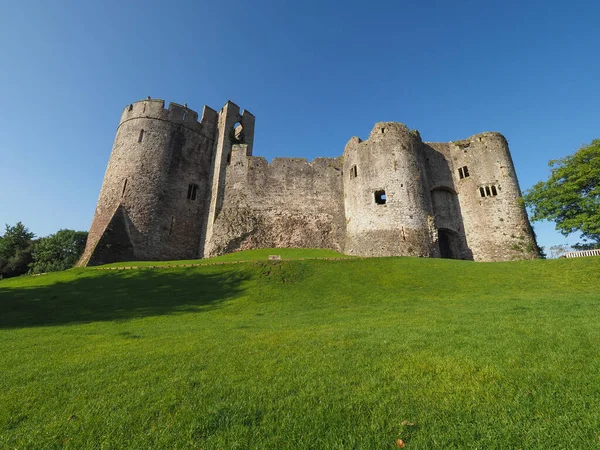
x=102 y=296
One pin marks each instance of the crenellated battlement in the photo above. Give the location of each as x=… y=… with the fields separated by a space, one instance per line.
x=176 y=113
x=241 y=113
x=239 y=154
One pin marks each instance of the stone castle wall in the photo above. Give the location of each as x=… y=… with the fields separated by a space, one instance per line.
x=494 y=216
x=391 y=164
x=288 y=203
x=179 y=188
x=231 y=126
x=157 y=155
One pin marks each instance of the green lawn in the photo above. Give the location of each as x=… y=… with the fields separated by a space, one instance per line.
x=311 y=354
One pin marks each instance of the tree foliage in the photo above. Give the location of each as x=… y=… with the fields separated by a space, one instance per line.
x=571 y=196
x=15 y=250
x=20 y=253
x=59 y=251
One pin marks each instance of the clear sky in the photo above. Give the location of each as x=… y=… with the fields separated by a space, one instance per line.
x=314 y=73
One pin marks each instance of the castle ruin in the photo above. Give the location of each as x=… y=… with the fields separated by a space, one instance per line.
x=179 y=188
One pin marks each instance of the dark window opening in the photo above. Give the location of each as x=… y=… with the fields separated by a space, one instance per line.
x=171 y=227
x=380 y=197
x=141 y=135
x=192 y=191
x=466 y=171
x=353 y=172
x=124 y=187
x=489 y=191
x=228 y=158
x=460 y=173
x=131 y=107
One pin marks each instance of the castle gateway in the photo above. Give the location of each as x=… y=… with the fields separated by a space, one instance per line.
x=179 y=188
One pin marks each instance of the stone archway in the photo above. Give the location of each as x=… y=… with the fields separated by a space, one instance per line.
x=237 y=134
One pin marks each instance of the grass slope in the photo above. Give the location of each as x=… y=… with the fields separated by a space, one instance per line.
x=259 y=254
x=304 y=354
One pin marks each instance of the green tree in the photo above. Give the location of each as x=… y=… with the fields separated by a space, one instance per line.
x=571 y=196
x=59 y=251
x=15 y=250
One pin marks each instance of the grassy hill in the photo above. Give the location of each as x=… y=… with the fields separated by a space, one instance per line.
x=318 y=354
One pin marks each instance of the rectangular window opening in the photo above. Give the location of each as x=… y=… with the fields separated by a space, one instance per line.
x=494 y=191
x=171 y=227
x=487 y=191
x=380 y=197
x=465 y=171
x=124 y=187
x=192 y=191
x=460 y=173
x=353 y=172
x=482 y=192
x=141 y=135
x=228 y=158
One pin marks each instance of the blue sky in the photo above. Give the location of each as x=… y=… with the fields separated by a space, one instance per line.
x=314 y=73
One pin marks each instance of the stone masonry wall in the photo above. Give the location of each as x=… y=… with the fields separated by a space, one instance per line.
x=158 y=153
x=288 y=203
x=229 y=116
x=389 y=162
x=179 y=188
x=496 y=223
x=448 y=216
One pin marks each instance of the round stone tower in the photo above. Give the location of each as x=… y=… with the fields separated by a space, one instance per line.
x=155 y=194
x=387 y=204
x=494 y=215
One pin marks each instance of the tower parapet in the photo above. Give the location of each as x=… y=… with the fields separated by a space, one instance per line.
x=175 y=113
